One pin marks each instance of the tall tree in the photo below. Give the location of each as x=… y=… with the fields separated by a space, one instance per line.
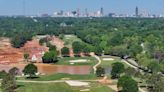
x=117 y=69
x=127 y=84
x=30 y=70
x=65 y=51
x=50 y=57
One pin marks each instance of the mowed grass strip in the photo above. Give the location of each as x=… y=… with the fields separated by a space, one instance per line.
x=65 y=61
x=49 y=87
x=60 y=76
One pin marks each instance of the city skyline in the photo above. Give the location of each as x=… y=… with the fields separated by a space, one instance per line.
x=34 y=7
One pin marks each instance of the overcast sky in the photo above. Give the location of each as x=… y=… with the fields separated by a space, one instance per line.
x=33 y=7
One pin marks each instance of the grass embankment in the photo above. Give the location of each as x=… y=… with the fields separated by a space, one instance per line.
x=61 y=76
x=60 y=87
x=65 y=61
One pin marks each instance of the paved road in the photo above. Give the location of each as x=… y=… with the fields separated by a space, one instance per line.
x=99 y=62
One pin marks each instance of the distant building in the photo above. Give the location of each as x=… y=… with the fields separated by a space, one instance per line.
x=45 y=15
x=136 y=12
x=78 y=12
x=112 y=15
x=102 y=11
x=86 y=13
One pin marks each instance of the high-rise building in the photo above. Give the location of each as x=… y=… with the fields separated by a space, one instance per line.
x=102 y=11
x=136 y=12
x=86 y=12
x=78 y=12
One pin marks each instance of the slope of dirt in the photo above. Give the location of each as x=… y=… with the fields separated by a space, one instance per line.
x=8 y=54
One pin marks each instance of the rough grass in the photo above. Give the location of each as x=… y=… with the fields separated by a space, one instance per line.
x=69 y=39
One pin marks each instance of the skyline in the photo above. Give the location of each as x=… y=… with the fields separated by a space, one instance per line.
x=34 y=7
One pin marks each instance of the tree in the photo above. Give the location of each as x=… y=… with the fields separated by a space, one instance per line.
x=100 y=72
x=117 y=69
x=130 y=71
x=43 y=40
x=26 y=56
x=77 y=47
x=2 y=74
x=52 y=48
x=127 y=84
x=98 y=51
x=9 y=80
x=50 y=57
x=156 y=82
x=154 y=66
x=8 y=83
x=30 y=70
x=65 y=51
x=14 y=71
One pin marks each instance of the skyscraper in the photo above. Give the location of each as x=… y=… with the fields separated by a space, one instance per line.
x=86 y=12
x=102 y=11
x=78 y=12
x=136 y=12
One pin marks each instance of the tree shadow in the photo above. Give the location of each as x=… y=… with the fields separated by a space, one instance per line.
x=18 y=86
x=36 y=77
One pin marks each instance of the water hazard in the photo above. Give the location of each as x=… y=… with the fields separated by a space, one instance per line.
x=51 y=69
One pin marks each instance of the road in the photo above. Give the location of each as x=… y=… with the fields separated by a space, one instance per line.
x=99 y=62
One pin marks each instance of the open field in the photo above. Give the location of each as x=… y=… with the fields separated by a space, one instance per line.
x=69 y=39
x=60 y=76
x=66 y=61
x=60 y=87
x=108 y=62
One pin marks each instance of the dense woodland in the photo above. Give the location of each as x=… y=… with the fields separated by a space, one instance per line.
x=138 y=38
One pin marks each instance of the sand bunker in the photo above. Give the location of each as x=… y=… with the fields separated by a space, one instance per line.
x=108 y=59
x=77 y=83
x=84 y=90
x=78 y=61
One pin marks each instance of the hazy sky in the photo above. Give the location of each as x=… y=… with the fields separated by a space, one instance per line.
x=15 y=7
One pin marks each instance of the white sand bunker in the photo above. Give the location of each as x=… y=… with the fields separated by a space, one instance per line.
x=78 y=61
x=108 y=59
x=83 y=90
x=77 y=83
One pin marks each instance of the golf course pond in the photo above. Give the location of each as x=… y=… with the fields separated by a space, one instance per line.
x=51 y=69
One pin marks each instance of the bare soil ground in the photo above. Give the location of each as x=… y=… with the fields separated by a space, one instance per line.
x=8 y=54
x=57 y=42
x=33 y=48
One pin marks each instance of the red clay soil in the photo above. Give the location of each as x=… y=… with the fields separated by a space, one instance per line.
x=57 y=42
x=8 y=54
x=34 y=49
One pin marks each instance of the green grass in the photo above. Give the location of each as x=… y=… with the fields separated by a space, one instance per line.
x=60 y=87
x=69 y=39
x=65 y=61
x=49 y=87
x=109 y=63
x=60 y=76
